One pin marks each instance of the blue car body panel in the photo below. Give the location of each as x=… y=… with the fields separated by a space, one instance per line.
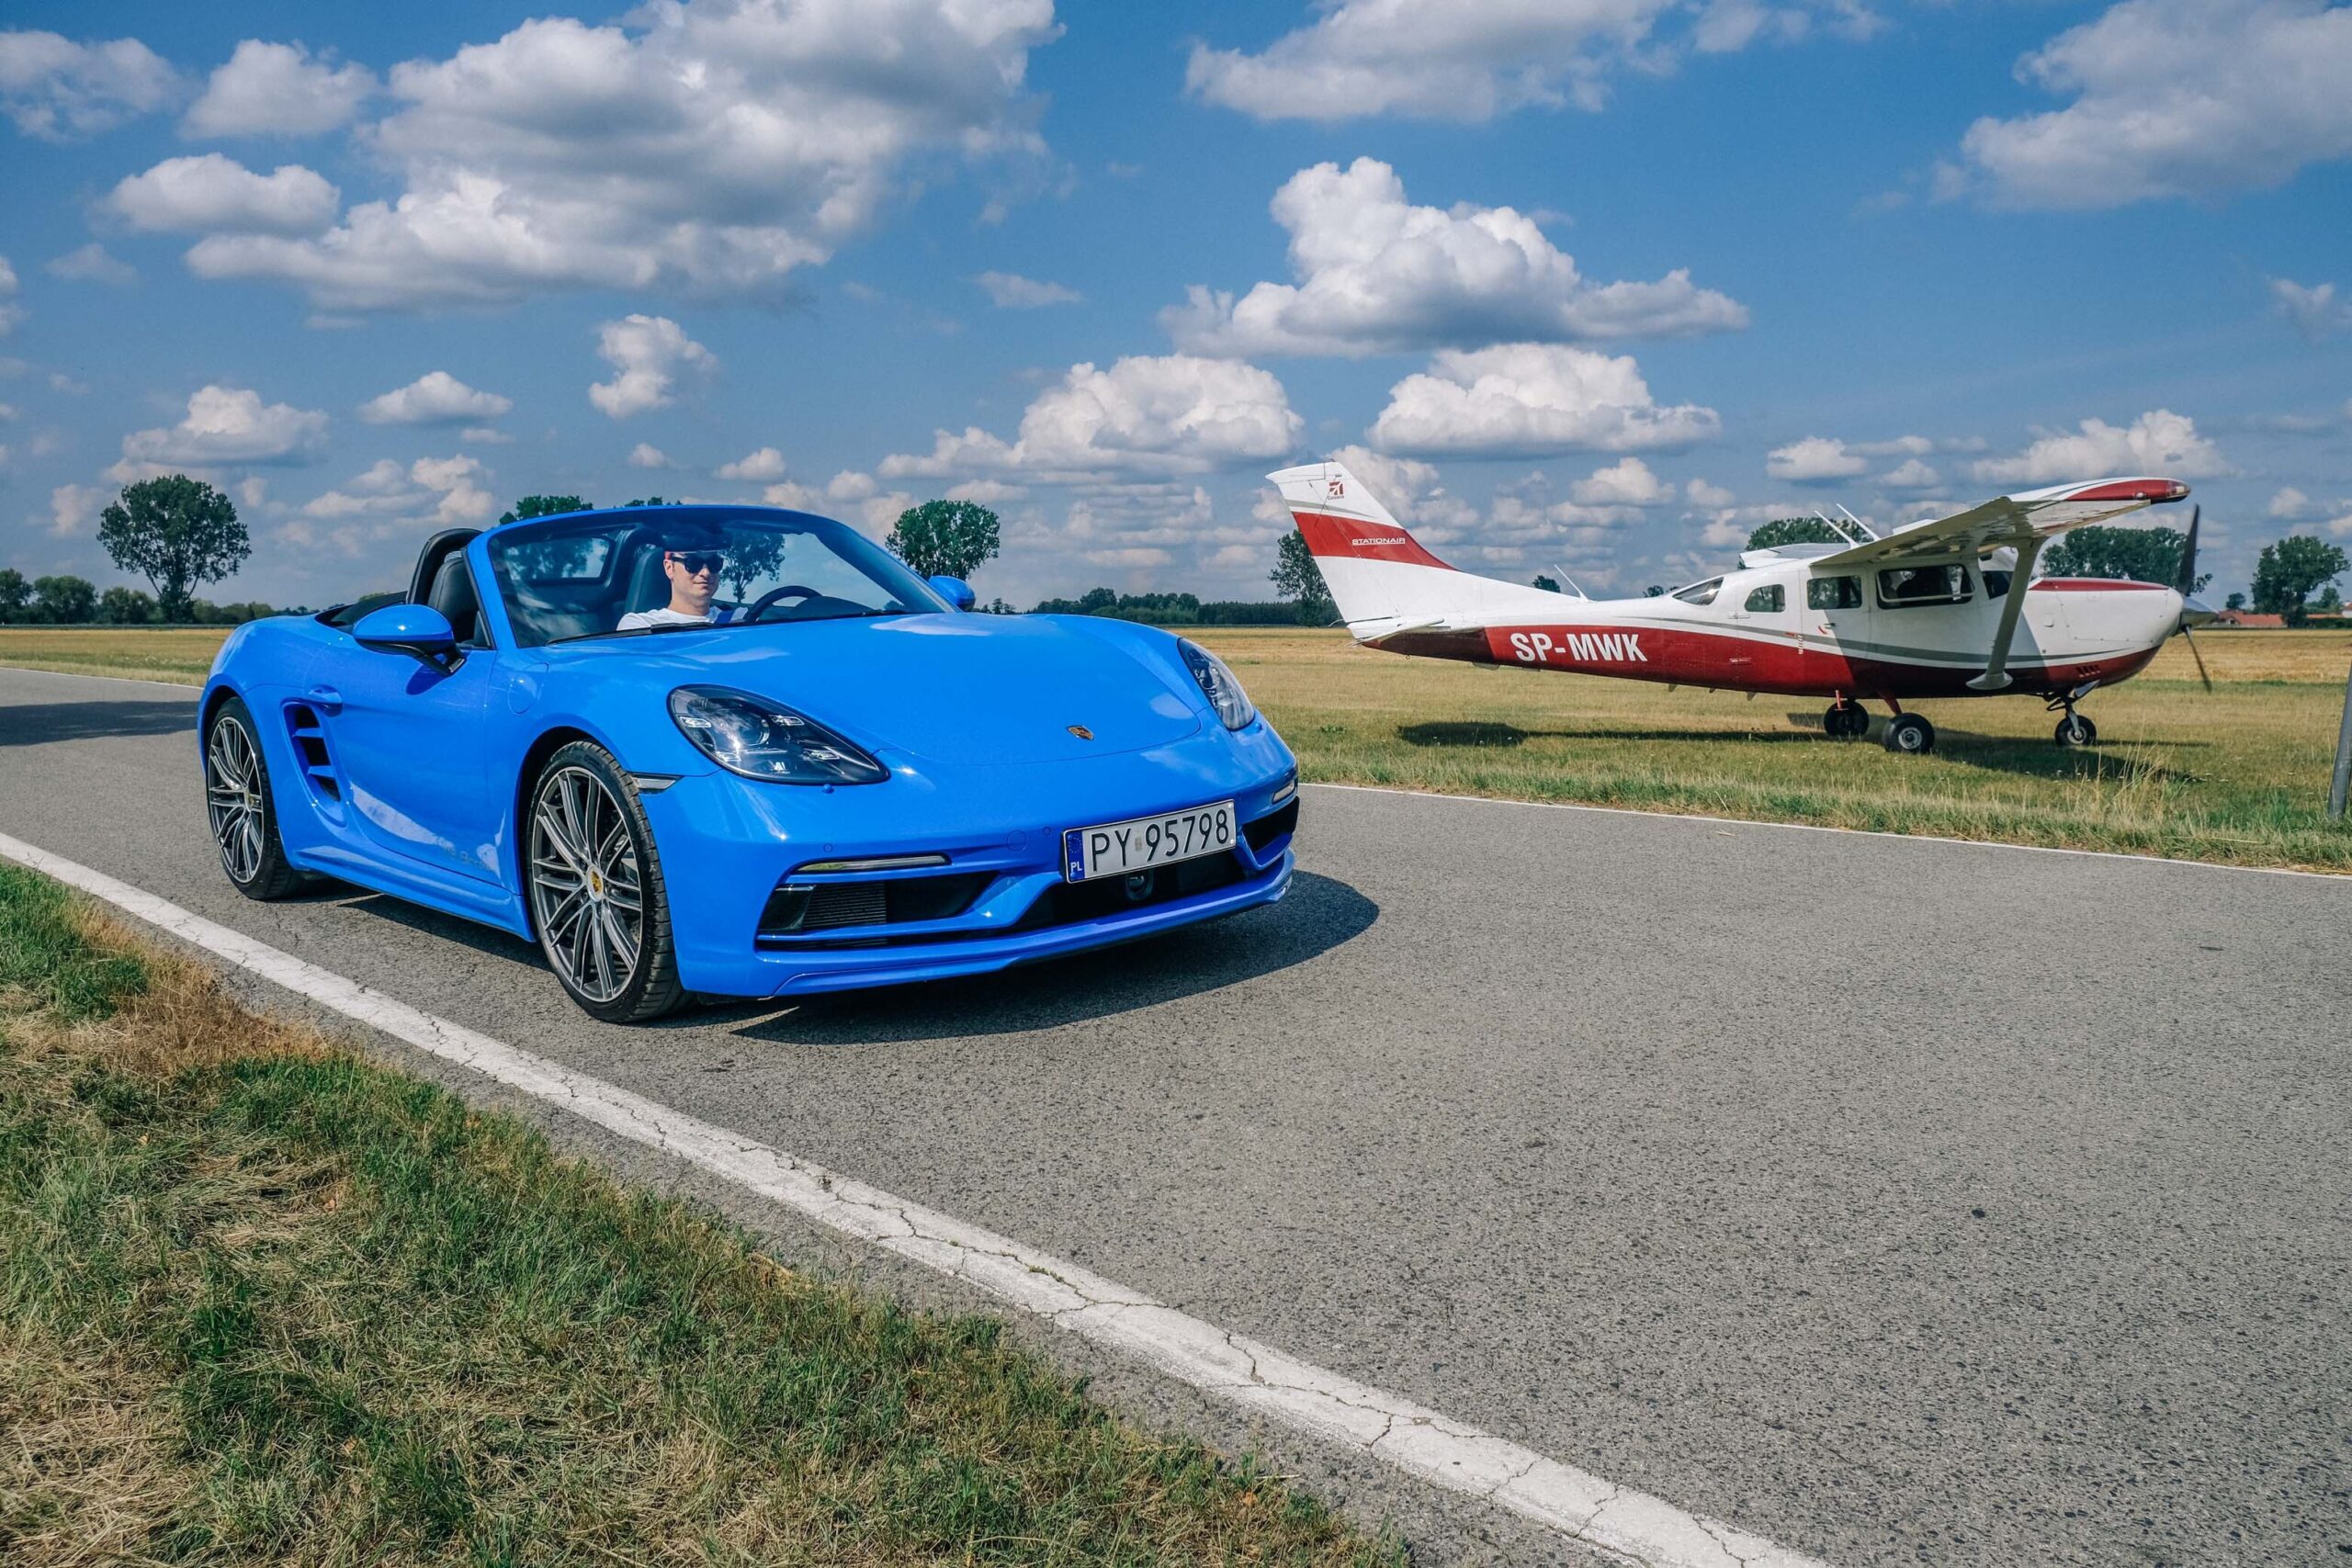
x=391 y=773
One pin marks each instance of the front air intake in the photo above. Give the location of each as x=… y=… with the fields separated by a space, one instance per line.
x=809 y=908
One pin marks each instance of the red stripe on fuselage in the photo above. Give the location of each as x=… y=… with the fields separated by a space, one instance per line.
x=1356 y=539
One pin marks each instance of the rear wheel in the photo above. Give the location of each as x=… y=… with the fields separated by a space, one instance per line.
x=1847 y=721
x=237 y=804
x=597 y=896
x=1910 y=734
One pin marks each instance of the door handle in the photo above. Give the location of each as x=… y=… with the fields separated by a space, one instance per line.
x=326 y=697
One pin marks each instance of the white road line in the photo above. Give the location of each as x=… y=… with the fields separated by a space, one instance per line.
x=1826 y=828
x=1615 y=1520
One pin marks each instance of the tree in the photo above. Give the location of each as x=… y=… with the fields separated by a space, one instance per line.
x=2142 y=555
x=1655 y=591
x=2290 y=570
x=544 y=507
x=2234 y=601
x=15 y=594
x=1296 y=578
x=944 y=538
x=649 y=501
x=2329 y=600
x=1546 y=584
x=65 y=601
x=1793 y=531
x=125 y=607
x=175 y=532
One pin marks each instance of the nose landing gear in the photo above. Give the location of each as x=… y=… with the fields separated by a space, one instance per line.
x=2074 y=729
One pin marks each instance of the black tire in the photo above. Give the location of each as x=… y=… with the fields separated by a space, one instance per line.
x=2076 y=730
x=587 y=850
x=239 y=808
x=1910 y=735
x=1847 y=721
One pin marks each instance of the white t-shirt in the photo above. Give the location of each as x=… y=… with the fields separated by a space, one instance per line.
x=641 y=620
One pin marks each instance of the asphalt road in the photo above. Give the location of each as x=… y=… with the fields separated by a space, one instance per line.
x=1900 y=1201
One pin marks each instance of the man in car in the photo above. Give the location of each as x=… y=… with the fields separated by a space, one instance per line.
x=694 y=579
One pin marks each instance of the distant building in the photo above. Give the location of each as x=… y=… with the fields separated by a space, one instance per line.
x=2246 y=620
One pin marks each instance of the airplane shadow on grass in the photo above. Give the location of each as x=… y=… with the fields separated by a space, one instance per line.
x=2004 y=754
x=1317 y=915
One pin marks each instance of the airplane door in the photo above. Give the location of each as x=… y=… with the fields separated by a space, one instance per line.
x=1835 y=627
x=1776 y=653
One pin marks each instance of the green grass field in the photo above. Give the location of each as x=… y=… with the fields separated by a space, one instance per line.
x=263 y=1302
x=2239 y=775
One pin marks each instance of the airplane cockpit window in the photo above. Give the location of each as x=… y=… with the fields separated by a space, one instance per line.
x=1912 y=587
x=1769 y=599
x=1700 y=592
x=1834 y=593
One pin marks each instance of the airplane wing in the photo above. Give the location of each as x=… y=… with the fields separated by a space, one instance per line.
x=2024 y=522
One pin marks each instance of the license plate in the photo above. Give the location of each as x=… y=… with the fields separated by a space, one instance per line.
x=1120 y=849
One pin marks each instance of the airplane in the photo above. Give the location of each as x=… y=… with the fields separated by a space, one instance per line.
x=1946 y=608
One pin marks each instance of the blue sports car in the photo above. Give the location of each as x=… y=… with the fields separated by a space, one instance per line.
x=740 y=751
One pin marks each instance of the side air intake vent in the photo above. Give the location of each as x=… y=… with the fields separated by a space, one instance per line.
x=310 y=750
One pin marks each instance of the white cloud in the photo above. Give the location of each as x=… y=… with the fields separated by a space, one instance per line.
x=53 y=87
x=1701 y=494
x=2289 y=504
x=1011 y=291
x=2315 y=311
x=986 y=492
x=434 y=397
x=10 y=312
x=486 y=434
x=2159 y=443
x=73 y=509
x=2172 y=99
x=231 y=426
x=648 y=353
x=390 y=498
x=850 y=485
x=217 y=195
x=1912 y=474
x=1169 y=414
x=91 y=264
x=645 y=455
x=1533 y=399
x=1626 y=482
x=712 y=147
x=276 y=89
x=1817 y=460
x=765 y=464
x=1379 y=275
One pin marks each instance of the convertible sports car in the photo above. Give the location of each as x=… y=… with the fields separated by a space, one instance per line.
x=847 y=779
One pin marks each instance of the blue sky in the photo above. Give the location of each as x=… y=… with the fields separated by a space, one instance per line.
x=1583 y=283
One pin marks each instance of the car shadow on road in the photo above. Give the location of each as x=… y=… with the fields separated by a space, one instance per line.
x=37 y=724
x=1317 y=915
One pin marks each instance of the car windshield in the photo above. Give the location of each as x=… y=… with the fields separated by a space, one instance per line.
x=584 y=576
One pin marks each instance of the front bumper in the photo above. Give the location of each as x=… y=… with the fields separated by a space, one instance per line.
x=727 y=843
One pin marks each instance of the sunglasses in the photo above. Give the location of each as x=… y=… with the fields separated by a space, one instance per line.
x=698 y=561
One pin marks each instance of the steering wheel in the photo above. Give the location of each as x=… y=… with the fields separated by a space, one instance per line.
x=790 y=591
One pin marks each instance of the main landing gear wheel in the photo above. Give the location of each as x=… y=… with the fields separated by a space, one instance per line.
x=1910 y=734
x=1847 y=721
x=597 y=896
x=238 y=806
x=2077 y=730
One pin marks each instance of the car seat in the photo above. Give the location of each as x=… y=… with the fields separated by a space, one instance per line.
x=453 y=595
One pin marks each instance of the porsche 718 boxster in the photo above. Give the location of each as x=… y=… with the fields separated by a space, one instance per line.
x=842 y=778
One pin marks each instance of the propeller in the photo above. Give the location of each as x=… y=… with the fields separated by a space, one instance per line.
x=2192 y=613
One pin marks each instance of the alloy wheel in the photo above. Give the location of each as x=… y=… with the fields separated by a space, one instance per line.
x=586 y=887
x=233 y=798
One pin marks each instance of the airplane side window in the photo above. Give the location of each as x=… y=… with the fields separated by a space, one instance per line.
x=1834 y=593
x=1996 y=583
x=1700 y=593
x=1910 y=587
x=1765 y=600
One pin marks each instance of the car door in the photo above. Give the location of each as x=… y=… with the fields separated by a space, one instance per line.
x=409 y=737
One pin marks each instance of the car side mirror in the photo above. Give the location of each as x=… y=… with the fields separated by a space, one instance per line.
x=957 y=592
x=420 y=631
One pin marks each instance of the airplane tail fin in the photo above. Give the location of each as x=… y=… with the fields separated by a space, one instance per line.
x=1380 y=578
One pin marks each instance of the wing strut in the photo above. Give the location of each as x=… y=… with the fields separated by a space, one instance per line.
x=1997 y=677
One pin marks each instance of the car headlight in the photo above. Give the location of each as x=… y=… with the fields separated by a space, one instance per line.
x=765 y=740
x=1219 y=685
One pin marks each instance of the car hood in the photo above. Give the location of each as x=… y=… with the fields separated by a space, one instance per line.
x=946 y=688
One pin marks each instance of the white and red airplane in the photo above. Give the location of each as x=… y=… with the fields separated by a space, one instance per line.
x=1946 y=608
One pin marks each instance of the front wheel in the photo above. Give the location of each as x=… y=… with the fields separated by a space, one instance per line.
x=597 y=896
x=2076 y=730
x=238 y=806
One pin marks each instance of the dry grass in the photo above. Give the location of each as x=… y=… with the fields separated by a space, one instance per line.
x=263 y=1302
x=2239 y=775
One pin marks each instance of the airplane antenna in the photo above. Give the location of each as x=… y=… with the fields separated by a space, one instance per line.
x=1570 y=581
x=1868 y=532
x=1834 y=526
